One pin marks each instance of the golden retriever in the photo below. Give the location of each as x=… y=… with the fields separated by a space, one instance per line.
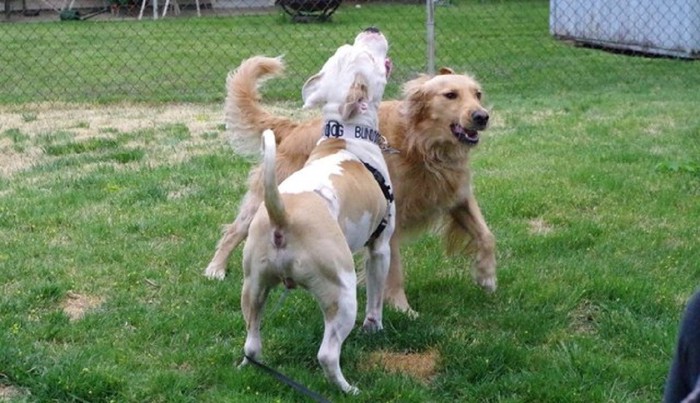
x=433 y=128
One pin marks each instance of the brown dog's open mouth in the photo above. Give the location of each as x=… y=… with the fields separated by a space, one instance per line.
x=465 y=136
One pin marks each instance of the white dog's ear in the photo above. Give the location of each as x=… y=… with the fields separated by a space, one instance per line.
x=356 y=100
x=445 y=70
x=314 y=91
x=310 y=91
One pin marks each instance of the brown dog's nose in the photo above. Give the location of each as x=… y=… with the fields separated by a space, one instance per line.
x=480 y=118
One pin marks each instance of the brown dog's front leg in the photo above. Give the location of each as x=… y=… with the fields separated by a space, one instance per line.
x=467 y=217
x=238 y=231
x=233 y=236
x=394 y=293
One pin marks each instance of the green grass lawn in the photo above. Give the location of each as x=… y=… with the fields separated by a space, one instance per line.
x=591 y=189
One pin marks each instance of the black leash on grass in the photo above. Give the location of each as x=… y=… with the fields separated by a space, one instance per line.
x=289 y=381
x=282 y=377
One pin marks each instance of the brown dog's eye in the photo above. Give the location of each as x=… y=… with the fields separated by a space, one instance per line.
x=478 y=95
x=451 y=95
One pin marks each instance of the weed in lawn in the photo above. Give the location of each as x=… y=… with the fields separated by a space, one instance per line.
x=29 y=117
x=127 y=156
x=15 y=136
x=96 y=144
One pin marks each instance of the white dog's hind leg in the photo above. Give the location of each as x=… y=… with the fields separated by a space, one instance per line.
x=253 y=298
x=339 y=318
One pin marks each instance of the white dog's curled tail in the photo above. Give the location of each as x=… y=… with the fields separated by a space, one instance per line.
x=273 y=201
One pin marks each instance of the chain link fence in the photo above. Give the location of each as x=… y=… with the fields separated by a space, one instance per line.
x=181 y=50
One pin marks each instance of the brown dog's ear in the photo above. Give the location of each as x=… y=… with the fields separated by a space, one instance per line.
x=416 y=97
x=413 y=85
x=356 y=100
x=445 y=70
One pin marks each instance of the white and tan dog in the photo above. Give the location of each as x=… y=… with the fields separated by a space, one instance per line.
x=306 y=231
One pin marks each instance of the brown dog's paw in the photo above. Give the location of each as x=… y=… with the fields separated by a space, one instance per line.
x=399 y=302
x=215 y=272
x=487 y=283
x=484 y=270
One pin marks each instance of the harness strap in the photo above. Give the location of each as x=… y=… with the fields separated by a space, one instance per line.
x=386 y=189
x=388 y=194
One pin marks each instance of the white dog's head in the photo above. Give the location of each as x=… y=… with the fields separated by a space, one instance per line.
x=351 y=83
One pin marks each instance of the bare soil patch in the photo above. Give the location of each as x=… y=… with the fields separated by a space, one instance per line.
x=584 y=318
x=76 y=305
x=539 y=226
x=83 y=122
x=419 y=366
x=9 y=393
x=91 y=121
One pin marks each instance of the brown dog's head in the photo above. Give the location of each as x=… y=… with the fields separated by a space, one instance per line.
x=449 y=104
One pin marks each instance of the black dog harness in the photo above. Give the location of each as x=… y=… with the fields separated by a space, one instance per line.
x=386 y=189
x=335 y=129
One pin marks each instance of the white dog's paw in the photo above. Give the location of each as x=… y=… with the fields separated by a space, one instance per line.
x=372 y=325
x=215 y=272
x=255 y=356
x=352 y=390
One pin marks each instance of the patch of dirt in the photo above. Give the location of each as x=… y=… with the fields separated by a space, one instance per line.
x=8 y=393
x=76 y=305
x=584 y=318
x=11 y=162
x=539 y=226
x=87 y=120
x=91 y=121
x=419 y=366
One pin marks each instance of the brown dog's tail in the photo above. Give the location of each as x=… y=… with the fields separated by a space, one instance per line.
x=273 y=201
x=245 y=116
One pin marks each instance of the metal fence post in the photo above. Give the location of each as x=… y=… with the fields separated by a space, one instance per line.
x=430 y=29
